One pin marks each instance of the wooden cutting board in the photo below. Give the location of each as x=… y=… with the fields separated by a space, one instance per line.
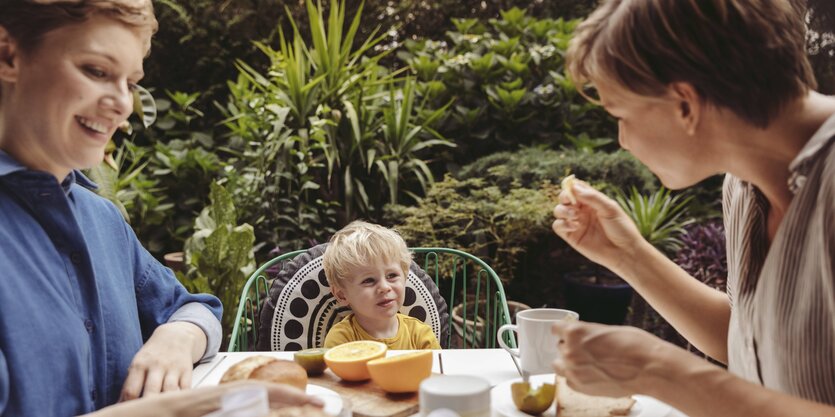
x=366 y=399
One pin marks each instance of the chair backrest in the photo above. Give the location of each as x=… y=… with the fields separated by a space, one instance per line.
x=294 y=309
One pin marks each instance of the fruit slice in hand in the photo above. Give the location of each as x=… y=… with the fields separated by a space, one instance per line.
x=312 y=360
x=532 y=401
x=401 y=373
x=567 y=184
x=349 y=361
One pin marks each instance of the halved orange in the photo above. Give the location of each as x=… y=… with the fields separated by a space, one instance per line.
x=401 y=373
x=348 y=361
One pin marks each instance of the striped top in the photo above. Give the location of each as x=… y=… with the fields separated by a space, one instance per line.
x=782 y=326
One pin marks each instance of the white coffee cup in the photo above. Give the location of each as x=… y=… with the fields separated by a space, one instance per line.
x=462 y=395
x=537 y=345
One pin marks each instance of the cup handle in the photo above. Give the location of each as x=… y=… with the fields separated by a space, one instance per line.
x=514 y=353
x=500 y=339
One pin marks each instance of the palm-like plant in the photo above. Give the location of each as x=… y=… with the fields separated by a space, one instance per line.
x=402 y=138
x=333 y=54
x=326 y=125
x=660 y=217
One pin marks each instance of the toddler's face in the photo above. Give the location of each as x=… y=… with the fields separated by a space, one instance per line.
x=375 y=291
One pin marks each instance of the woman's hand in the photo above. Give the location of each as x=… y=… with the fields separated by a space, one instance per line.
x=204 y=400
x=596 y=226
x=614 y=361
x=165 y=362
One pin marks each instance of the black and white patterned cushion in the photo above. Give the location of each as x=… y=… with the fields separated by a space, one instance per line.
x=300 y=308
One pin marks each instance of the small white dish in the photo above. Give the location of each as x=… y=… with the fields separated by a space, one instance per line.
x=333 y=401
x=502 y=401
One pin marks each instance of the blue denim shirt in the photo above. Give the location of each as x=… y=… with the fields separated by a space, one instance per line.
x=79 y=296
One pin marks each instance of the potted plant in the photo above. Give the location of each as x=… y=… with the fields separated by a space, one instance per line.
x=597 y=294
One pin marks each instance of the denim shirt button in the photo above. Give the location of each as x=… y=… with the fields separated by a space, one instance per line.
x=75 y=258
x=88 y=324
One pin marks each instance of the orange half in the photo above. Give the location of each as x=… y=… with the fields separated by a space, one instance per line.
x=349 y=360
x=401 y=373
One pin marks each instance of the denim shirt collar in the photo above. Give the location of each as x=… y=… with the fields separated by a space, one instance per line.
x=9 y=165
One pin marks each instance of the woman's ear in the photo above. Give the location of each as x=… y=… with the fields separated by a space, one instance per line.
x=8 y=56
x=689 y=104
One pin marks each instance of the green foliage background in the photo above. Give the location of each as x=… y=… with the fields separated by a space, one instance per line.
x=451 y=120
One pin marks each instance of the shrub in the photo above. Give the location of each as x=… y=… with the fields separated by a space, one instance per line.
x=507 y=83
x=481 y=219
x=533 y=166
x=703 y=254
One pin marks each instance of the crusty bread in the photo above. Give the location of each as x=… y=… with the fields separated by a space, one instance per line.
x=244 y=368
x=574 y=404
x=567 y=185
x=265 y=368
x=299 y=411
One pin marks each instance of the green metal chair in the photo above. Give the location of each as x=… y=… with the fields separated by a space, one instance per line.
x=465 y=282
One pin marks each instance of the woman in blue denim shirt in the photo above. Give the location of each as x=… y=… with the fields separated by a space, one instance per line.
x=87 y=316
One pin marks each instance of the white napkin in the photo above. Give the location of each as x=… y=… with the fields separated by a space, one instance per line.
x=244 y=402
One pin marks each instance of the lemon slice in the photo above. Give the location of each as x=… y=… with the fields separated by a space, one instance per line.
x=349 y=360
x=312 y=360
x=401 y=373
x=532 y=401
x=567 y=185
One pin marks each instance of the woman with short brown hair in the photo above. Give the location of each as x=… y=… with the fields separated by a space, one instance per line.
x=701 y=88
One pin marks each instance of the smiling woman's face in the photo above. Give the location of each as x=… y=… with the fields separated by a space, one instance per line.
x=63 y=100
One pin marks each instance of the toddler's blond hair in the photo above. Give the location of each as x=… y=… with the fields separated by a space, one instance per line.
x=358 y=244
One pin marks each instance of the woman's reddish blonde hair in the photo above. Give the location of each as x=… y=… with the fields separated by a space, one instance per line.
x=27 y=21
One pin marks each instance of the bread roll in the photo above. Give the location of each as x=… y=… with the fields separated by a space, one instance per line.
x=574 y=404
x=266 y=368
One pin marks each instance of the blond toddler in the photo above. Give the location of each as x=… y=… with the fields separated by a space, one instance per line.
x=366 y=266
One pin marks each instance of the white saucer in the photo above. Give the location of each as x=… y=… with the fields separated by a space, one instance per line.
x=332 y=400
x=502 y=402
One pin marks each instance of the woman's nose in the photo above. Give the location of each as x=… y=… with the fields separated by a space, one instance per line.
x=119 y=100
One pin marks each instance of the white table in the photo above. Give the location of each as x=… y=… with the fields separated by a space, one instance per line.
x=494 y=365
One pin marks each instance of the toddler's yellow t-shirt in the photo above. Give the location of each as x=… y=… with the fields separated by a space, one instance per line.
x=412 y=334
